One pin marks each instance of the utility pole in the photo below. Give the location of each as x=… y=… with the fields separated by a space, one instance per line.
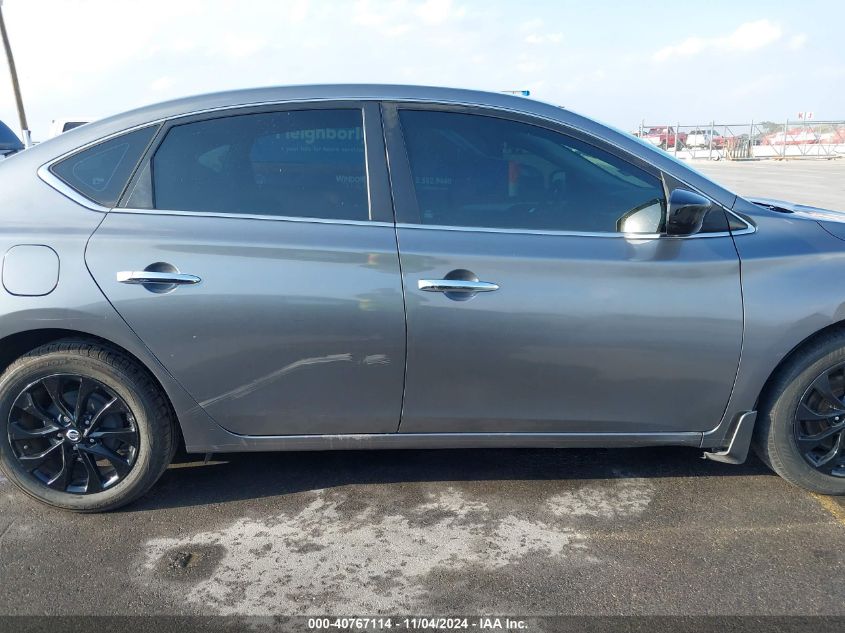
x=27 y=135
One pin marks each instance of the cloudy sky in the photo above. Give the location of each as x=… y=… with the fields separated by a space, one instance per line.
x=617 y=61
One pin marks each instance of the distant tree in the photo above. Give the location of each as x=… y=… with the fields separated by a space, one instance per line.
x=769 y=127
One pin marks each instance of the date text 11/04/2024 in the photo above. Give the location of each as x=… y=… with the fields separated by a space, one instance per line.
x=421 y=623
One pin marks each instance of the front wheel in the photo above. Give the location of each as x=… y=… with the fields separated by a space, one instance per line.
x=801 y=429
x=83 y=427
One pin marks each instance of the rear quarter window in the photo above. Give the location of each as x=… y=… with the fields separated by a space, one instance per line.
x=101 y=172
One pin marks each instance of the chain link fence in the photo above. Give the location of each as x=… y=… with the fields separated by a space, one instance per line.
x=749 y=141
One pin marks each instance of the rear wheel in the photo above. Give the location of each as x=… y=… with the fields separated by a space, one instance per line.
x=83 y=427
x=801 y=429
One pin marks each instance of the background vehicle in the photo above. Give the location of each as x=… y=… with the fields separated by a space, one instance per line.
x=664 y=137
x=60 y=126
x=229 y=275
x=703 y=138
x=9 y=142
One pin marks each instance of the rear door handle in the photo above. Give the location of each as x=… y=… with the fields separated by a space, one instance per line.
x=455 y=285
x=150 y=277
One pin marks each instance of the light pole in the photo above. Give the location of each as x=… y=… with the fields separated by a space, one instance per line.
x=27 y=136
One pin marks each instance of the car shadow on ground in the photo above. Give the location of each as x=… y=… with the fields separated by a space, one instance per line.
x=246 y=476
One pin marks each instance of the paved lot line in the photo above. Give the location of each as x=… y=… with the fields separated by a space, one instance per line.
x=832 y=506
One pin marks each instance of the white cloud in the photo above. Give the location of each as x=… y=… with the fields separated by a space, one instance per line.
x=747 y=37
x=796 y=42
x=298 y=10
x=367 y=14
x=162 y=83
x=530 y=64
x=242 y=46
x=398 y=17
x=439 y=11
x=397 y=30
x=531 y=25
x=543 y=38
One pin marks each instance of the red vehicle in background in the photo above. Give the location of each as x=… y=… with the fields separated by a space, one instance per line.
x=664 y=137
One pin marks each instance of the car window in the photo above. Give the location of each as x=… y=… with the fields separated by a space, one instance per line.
x=101 y=172
x=481 y=171
x=302 y=163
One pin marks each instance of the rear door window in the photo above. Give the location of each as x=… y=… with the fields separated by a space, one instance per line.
x=297 y=163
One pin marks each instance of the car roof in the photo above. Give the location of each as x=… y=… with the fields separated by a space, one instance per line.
x=308 y=93
x=372 y=92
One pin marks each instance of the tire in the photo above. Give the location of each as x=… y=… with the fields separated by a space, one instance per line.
x=116 y=439
x=800 y=383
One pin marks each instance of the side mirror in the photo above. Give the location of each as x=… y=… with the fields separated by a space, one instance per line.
x=686 y=212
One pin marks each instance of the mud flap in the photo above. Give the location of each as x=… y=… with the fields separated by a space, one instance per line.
x=737 y=449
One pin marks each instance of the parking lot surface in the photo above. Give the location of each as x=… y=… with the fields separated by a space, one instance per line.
x=813 y=182
x=528 y=532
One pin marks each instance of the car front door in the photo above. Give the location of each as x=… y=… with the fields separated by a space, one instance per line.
x=256 y=256
x=540 y=294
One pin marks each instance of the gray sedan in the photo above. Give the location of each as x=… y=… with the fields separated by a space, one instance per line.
x=362 y=267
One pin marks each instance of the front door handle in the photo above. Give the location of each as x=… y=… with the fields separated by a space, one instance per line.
x=151 y=277
x=455 y=285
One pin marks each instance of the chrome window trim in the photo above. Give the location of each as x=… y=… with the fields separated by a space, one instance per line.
x=367 y=160
x=749 y=228
x=66 y=190
x=249 y=216
x=436 y=227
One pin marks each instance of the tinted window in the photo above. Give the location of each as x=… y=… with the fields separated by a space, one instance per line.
x=306 y=163
x=100 y=172
x=480 y=171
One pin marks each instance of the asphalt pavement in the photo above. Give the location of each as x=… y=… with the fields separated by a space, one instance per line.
x=815 y=182
x=529 y=532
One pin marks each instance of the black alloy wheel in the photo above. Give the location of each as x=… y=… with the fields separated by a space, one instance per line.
x=73 y=433
x=819 y=425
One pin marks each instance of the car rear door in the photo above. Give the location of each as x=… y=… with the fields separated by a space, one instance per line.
x=541 y=296
x=255 y=255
